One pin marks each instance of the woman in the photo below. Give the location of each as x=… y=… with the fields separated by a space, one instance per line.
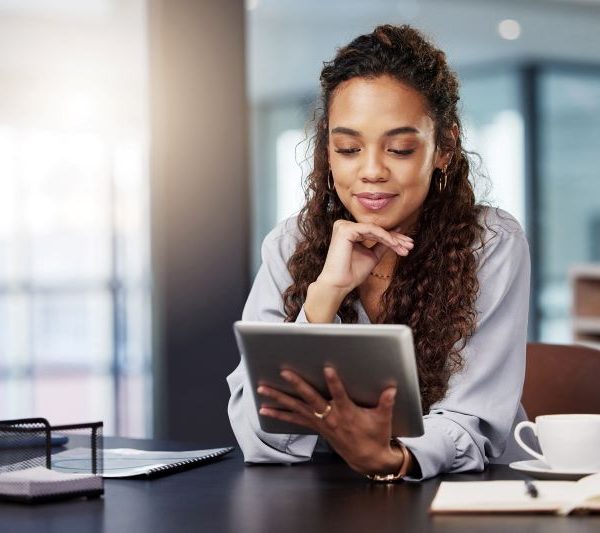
x=390 y=233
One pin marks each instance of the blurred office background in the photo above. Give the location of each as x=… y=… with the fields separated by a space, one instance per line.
x=147 y=147
x=74 y=221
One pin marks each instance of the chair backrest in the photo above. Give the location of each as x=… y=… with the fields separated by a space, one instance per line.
x=561 y=379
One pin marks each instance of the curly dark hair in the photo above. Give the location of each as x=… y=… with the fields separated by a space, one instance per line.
x=434 y=288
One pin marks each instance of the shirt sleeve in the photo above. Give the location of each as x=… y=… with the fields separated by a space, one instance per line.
x=472 y=423
x=265 y=304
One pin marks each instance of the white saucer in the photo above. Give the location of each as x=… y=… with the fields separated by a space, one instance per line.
x=540 y=470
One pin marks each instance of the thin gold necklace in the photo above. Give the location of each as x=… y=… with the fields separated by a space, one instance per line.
x=380 y=276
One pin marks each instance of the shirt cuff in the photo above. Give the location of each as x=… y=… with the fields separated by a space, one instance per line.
x=283 y=448
x=435 y=450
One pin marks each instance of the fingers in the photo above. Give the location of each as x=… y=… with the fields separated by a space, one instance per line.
x=385 y=406
x=402 y=246
x=404 y=238
x=336 y=388
x=375 y=230
x=402 y=249
x=359 y=232
x=314 y=400
x=346 y=426
x=405 y=243
x=286 y=416
x=394 y=241
x=284 y=400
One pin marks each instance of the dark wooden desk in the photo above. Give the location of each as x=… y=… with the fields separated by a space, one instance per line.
x=228 y=496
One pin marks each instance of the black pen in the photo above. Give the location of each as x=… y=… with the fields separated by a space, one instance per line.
x=531 y=489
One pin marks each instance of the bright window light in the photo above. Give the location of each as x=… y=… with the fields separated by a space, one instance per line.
x=500 y=143
x=290 y=171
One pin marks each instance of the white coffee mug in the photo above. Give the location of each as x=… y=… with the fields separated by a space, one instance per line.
x=568 y=442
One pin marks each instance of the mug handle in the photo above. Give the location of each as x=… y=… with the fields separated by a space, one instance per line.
x=518 y=428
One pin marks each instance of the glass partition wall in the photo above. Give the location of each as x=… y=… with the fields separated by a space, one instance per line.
x=568 y=196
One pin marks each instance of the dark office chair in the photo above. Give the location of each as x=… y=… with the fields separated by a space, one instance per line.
x=561 y=379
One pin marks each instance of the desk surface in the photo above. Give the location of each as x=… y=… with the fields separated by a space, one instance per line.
x=324 y=495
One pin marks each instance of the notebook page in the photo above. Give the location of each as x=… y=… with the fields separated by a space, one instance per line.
x=39 y=480
x=38 y=473
x=125 y=462
x=481 y=496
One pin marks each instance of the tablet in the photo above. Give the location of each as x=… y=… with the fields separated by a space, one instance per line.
x=368 y=358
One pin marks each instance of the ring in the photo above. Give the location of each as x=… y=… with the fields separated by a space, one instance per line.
x=324 y=414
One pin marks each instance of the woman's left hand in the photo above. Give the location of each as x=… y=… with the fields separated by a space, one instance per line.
x=362 y=436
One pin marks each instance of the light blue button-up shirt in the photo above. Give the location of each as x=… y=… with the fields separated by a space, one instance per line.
x=472 y=425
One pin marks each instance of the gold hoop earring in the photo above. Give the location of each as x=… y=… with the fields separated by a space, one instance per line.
x=443 y=177
x=330 y=176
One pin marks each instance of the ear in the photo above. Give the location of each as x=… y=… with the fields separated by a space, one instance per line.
x=443 y=159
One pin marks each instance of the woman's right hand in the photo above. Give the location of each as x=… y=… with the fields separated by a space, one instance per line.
x=349 y=262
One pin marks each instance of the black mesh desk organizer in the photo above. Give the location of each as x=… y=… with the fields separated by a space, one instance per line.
x=28 y=443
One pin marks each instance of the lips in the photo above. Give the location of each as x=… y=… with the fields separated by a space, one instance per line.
x=375 y=201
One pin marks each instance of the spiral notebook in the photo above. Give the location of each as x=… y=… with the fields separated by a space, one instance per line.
x=129 y=462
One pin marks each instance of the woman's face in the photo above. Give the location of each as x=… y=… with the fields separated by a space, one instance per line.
x=381 y=150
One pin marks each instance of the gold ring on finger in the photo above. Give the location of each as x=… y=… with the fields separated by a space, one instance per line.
x=323 y=415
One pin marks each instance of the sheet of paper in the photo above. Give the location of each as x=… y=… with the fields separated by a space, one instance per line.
x=38 y=473
x=123 y=462
x=40 y=481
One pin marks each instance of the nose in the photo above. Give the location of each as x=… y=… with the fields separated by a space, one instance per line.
x=373 y=169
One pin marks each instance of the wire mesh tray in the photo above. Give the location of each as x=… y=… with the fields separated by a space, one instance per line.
x=26 y=448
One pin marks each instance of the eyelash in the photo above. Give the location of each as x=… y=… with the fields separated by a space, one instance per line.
x=350 y=151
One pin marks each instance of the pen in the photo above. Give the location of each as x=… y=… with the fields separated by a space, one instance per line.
x=531 y=489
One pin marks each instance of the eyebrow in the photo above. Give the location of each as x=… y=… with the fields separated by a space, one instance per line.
x=389 y=133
